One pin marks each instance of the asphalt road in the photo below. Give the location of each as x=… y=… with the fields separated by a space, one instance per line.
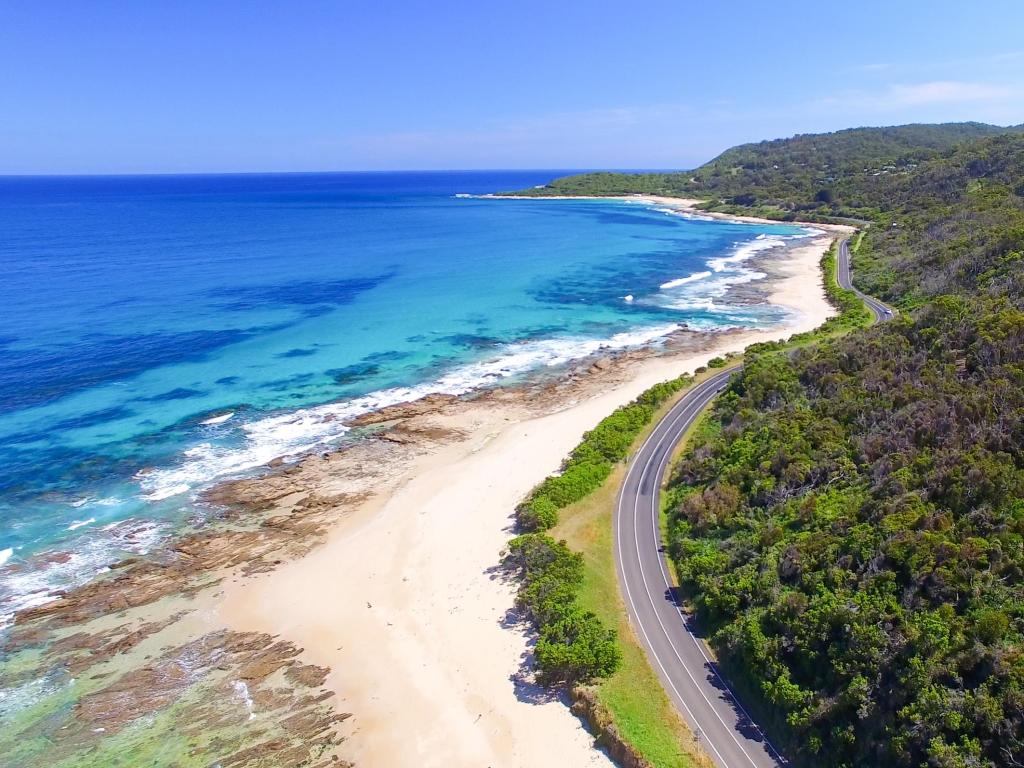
x=674 y=646
x=880 y=310
x=676 y=652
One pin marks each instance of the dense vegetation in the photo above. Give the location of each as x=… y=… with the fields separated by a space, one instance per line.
x=850 y=524
x=572 y=645
x=607 y=183
x=954 y=227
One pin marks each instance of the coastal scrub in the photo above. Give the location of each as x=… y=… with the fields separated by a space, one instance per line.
x=573 y=646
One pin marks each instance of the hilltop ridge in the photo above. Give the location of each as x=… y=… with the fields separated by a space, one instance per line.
x=810 y=174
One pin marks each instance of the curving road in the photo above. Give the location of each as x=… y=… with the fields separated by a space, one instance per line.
x=673 y=645
x=676 y=652
x=880 y=310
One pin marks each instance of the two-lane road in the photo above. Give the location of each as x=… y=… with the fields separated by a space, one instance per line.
x=678 y=655
x=879 y=309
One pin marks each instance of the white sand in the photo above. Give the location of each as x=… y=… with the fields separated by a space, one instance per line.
x=403 y=604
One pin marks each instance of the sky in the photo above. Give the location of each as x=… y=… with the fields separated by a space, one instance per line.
x=184 y=86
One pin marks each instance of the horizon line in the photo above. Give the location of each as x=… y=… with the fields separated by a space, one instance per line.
x=56 y=175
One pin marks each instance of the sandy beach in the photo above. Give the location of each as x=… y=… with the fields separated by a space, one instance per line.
x=403 y=601
x=685 y=205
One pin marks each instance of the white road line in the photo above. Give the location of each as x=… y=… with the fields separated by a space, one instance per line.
x=689 y=407
x=647 y=639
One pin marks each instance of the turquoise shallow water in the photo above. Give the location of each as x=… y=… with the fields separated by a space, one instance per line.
x=161 y=333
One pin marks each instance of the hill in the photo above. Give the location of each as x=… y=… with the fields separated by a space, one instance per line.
x=849 y=522
x=844 y=167
x=840 y=173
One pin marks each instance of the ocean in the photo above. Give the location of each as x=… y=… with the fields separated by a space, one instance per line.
x=161 y=333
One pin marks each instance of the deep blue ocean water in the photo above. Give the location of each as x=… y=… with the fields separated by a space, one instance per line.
x=160 y=333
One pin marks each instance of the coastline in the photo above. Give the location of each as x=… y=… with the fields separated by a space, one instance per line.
x=686 y=205
x=425 y=658
x=385 y=576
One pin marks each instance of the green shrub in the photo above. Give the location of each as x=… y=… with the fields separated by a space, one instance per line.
x=575 y=648
x=592 y=460
x=852 y=312
x=534 y=553
x=574 y=483
x=537 y=514
x=572 y=646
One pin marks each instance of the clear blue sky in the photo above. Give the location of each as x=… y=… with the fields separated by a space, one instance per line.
x=90 y=86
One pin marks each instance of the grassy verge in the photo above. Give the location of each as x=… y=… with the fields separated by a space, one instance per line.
x=632 y=696
x=855 y=245
x=574 y=646
x=590 y=462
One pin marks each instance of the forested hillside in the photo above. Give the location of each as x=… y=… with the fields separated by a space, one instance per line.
x=846 y=172
x=833 y=168
x=849 y=523
x=955 y=225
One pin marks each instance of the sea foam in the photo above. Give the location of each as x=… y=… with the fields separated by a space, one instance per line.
x=746 y=251
x=217 y=419
x=290 y=434
x=227 y=442
x=703 y=291
x=34 y=583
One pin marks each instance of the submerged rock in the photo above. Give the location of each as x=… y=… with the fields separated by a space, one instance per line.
x=227 y=698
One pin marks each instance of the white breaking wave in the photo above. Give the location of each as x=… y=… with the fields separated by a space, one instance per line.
x=291 y=434
x=698 y=292
x=36 y=584
x=705 y=303
x=747 y=251
x=288 y=435
x=218 y=419
x=88 y=501
x=684 y=280
x=682 y=213
x=80 y=523
x=166 y=492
